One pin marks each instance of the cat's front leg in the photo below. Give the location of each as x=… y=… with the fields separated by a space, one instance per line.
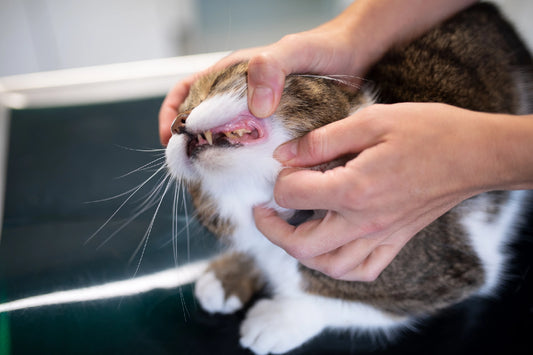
x=275 y=326
x=228 y=283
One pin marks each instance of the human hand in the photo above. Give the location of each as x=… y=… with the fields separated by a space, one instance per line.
x=416 y=161
x=312 y=51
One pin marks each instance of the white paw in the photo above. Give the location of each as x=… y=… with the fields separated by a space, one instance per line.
x=210 y=293
x=279 y=325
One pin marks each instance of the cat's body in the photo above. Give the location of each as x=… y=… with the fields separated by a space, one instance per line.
x=224 y=154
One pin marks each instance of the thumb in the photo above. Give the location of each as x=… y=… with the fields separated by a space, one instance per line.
x=267 y=70
x=266 y=79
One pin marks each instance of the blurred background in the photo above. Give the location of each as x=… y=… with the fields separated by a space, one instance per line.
x=41 y=35
x=37 y=35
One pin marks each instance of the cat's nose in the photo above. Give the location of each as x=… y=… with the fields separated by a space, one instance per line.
x=178 y=126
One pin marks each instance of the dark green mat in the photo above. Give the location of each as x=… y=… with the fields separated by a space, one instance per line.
x=61 y=158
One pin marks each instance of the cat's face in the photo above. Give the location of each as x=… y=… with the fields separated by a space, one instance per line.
x=218 y=143
x=216 y=140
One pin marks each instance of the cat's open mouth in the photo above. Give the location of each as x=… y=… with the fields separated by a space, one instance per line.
x=244 y=130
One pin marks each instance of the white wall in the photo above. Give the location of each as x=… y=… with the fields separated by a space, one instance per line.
x=40 y=35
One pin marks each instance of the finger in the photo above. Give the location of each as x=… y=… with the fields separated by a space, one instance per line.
x=268 y=68
x=170 y=106
x=266 y=78
x=340 y=262
x=307 y=240
x=305 y=189
x=361 y=260
x=370 y=269
x=348 y=136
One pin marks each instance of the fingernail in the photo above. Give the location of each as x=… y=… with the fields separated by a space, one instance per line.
x=286 y=152
x=262 y=101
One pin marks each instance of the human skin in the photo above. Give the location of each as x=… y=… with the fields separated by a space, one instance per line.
x=416 y=161
x=395 y=186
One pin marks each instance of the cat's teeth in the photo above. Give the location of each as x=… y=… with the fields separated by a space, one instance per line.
x=199 y=137
x=209 y=137
x=241 y=132
x=229 y=134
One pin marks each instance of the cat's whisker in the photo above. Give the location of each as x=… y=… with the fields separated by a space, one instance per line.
x=123 y=204
x=174 y=224
x=125 y=224
x=153 y=164
x=114 y=197
x=159 y=166
x=337 y=78
x=152 y=150
x=146 y=237
x=186 y=223
x=152 y=196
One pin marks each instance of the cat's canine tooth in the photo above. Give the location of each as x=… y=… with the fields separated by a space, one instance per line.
x=209 y=137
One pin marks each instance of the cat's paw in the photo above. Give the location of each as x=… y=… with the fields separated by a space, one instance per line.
x=212 y=296
x=277 y=326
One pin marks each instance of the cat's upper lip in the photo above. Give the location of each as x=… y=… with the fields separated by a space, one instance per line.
x=243 y=123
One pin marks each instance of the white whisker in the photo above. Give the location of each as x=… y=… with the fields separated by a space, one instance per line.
x=186 y=223
x=151 y=196
x=154 y=150
x=146 y=237
x=340 y=78
x=125 y=224
x=175 y=224
x=122 y=204
x=146 y=166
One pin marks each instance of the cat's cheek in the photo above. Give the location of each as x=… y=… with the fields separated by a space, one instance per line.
x=178 y=164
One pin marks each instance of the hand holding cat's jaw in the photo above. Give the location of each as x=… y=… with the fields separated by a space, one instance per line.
x=374 y=209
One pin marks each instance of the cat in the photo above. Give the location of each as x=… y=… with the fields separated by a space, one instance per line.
x=474 y=60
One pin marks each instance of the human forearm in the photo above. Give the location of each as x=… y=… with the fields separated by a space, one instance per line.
x=374 y=26
x=509 y=160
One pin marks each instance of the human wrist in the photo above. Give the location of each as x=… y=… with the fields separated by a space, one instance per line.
x=513 y=146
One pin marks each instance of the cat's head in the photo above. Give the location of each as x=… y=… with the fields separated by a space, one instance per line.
x=219 y=144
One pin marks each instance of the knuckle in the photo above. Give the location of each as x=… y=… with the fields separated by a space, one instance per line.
x=297 y=251
x=334 y=271
x=290 y=40
x=279 y=196
x=357 y=196
x=371 y=274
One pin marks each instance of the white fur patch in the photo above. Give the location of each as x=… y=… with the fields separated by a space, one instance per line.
x=216 y=111
x=282 y=324
x=210 y=293
x=489 y=238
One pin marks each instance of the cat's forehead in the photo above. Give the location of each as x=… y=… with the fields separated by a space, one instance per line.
x=231 y=80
